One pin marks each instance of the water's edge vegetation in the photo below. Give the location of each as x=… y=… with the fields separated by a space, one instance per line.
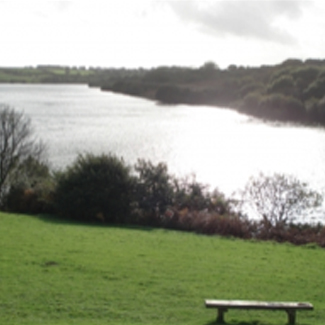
x=291 y=91
x=104 y=189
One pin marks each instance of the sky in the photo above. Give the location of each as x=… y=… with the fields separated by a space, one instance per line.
x=151 y=33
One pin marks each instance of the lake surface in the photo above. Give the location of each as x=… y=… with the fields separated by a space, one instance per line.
x=222 y=147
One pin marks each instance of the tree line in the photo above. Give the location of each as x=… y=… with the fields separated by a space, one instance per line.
x=104 y=189
x=293 y=90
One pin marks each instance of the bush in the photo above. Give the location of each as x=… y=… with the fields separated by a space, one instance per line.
x=209 y=223
x=31 y=191
x=33 y=200
x=95 y=189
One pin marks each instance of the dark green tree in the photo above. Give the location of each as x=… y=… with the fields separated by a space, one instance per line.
x=95 y=188
x=154 y=190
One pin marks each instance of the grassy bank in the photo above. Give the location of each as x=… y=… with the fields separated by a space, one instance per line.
x=54 y=272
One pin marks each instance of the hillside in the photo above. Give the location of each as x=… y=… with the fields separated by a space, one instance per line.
x=55 y=272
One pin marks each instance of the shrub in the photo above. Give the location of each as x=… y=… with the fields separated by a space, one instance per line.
x=95 y=188
x=209 y=223
x=297 y=234
x=31 y=190
x=38 y=199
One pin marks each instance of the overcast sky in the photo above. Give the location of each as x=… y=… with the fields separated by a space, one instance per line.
x=148 y=33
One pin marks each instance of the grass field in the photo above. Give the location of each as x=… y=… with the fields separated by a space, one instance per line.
x=55 y=272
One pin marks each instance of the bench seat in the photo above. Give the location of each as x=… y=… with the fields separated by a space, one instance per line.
x=289 y=307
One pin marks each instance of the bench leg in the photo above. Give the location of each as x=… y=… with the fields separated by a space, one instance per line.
x=291 y=316
x=220 y=316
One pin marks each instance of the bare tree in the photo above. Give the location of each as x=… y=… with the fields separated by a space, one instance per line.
x=16 y=145
x=279 y=199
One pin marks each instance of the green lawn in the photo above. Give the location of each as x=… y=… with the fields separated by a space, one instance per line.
x=55 y=272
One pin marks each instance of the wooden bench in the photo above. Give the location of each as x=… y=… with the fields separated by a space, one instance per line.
x=289 y=307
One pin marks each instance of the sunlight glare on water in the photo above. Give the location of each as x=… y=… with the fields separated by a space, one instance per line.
x=222 y=147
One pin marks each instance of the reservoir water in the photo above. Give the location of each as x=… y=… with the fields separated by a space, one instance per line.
x=221 y=147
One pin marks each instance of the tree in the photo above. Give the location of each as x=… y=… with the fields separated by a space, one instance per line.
x=154 y=186
x=315 y=89
x=17 y=145
x=281 y=107
x=279 y=199
x=209 y=65
x=284 y=85
x=95 y=188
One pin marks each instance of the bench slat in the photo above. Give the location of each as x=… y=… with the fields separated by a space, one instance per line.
x=250 y=304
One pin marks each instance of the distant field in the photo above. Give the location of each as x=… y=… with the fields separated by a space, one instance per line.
x=44 y=75
x=54 y=272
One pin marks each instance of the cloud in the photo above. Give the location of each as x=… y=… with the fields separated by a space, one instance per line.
x=252 y=19
x=159 y=32
x=62 y=6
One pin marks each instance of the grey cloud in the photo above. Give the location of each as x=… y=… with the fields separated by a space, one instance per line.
x=252 y=19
